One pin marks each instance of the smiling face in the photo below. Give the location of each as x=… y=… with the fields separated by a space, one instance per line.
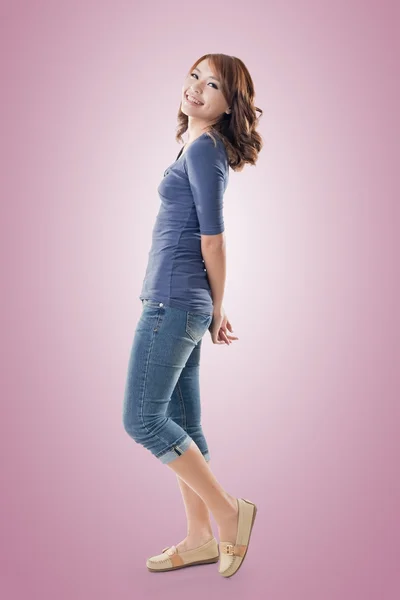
x=202 y=85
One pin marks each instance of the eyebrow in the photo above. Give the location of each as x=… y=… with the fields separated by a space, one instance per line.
x=210 y=77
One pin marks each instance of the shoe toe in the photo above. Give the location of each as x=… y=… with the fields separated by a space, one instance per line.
x=163 y=560
x=170 y=558
x=226 y=561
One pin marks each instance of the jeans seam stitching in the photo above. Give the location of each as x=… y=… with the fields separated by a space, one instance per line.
x=144 y=391
x=187 y=328
x=182 y=405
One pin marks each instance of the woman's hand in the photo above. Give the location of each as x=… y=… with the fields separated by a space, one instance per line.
x=218 y=328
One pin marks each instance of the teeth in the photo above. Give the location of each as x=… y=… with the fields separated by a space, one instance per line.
x=192 y=99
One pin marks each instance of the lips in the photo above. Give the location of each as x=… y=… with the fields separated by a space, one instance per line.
x=190 y=98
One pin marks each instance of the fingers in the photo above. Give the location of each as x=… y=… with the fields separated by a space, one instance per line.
x=222 y=336
x=227 y=339
x=215 y=338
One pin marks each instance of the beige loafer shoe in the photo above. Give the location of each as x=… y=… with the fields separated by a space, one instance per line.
x=232 y=554
x=171 y=559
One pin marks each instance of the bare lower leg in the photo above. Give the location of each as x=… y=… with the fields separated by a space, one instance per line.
x=199 y=530
x=195 y=472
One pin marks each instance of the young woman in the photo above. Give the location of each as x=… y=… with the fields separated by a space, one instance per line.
x=182 y=296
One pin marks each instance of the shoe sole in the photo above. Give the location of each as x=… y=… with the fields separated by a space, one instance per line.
x=191 y=564
x=248 y=541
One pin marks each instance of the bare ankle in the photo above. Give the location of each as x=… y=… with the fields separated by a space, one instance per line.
x=200 y=534
x=229 y=513
x=232 y=506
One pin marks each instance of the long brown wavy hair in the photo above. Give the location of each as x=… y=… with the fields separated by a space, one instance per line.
x=237 y=130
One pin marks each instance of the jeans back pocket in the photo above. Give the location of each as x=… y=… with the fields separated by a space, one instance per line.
x=197 y=325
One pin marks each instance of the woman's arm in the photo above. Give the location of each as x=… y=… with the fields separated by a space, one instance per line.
x=213 y=249
x=206 y=167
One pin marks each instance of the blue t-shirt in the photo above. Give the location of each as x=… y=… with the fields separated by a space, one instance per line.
x=191 y=195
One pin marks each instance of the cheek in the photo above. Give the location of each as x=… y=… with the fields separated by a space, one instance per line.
x=215 y=103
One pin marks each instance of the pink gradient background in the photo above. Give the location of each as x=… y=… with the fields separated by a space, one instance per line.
x=302 y=413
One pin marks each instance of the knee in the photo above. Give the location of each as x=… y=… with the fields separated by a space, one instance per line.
x=133 y=428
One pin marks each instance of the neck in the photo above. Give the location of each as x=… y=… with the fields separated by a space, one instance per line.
x=194 y=130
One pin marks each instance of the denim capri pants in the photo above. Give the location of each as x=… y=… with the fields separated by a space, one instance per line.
x=161 y=408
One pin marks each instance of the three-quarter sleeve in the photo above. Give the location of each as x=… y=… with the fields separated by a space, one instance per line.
x=206 y=168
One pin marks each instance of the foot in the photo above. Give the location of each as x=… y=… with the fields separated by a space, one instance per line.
x=191 y=542
x=227 y=528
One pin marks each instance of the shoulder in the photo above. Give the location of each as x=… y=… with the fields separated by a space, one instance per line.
x=206 y=150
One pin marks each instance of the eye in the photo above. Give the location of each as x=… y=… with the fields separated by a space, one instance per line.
x=210 y=81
